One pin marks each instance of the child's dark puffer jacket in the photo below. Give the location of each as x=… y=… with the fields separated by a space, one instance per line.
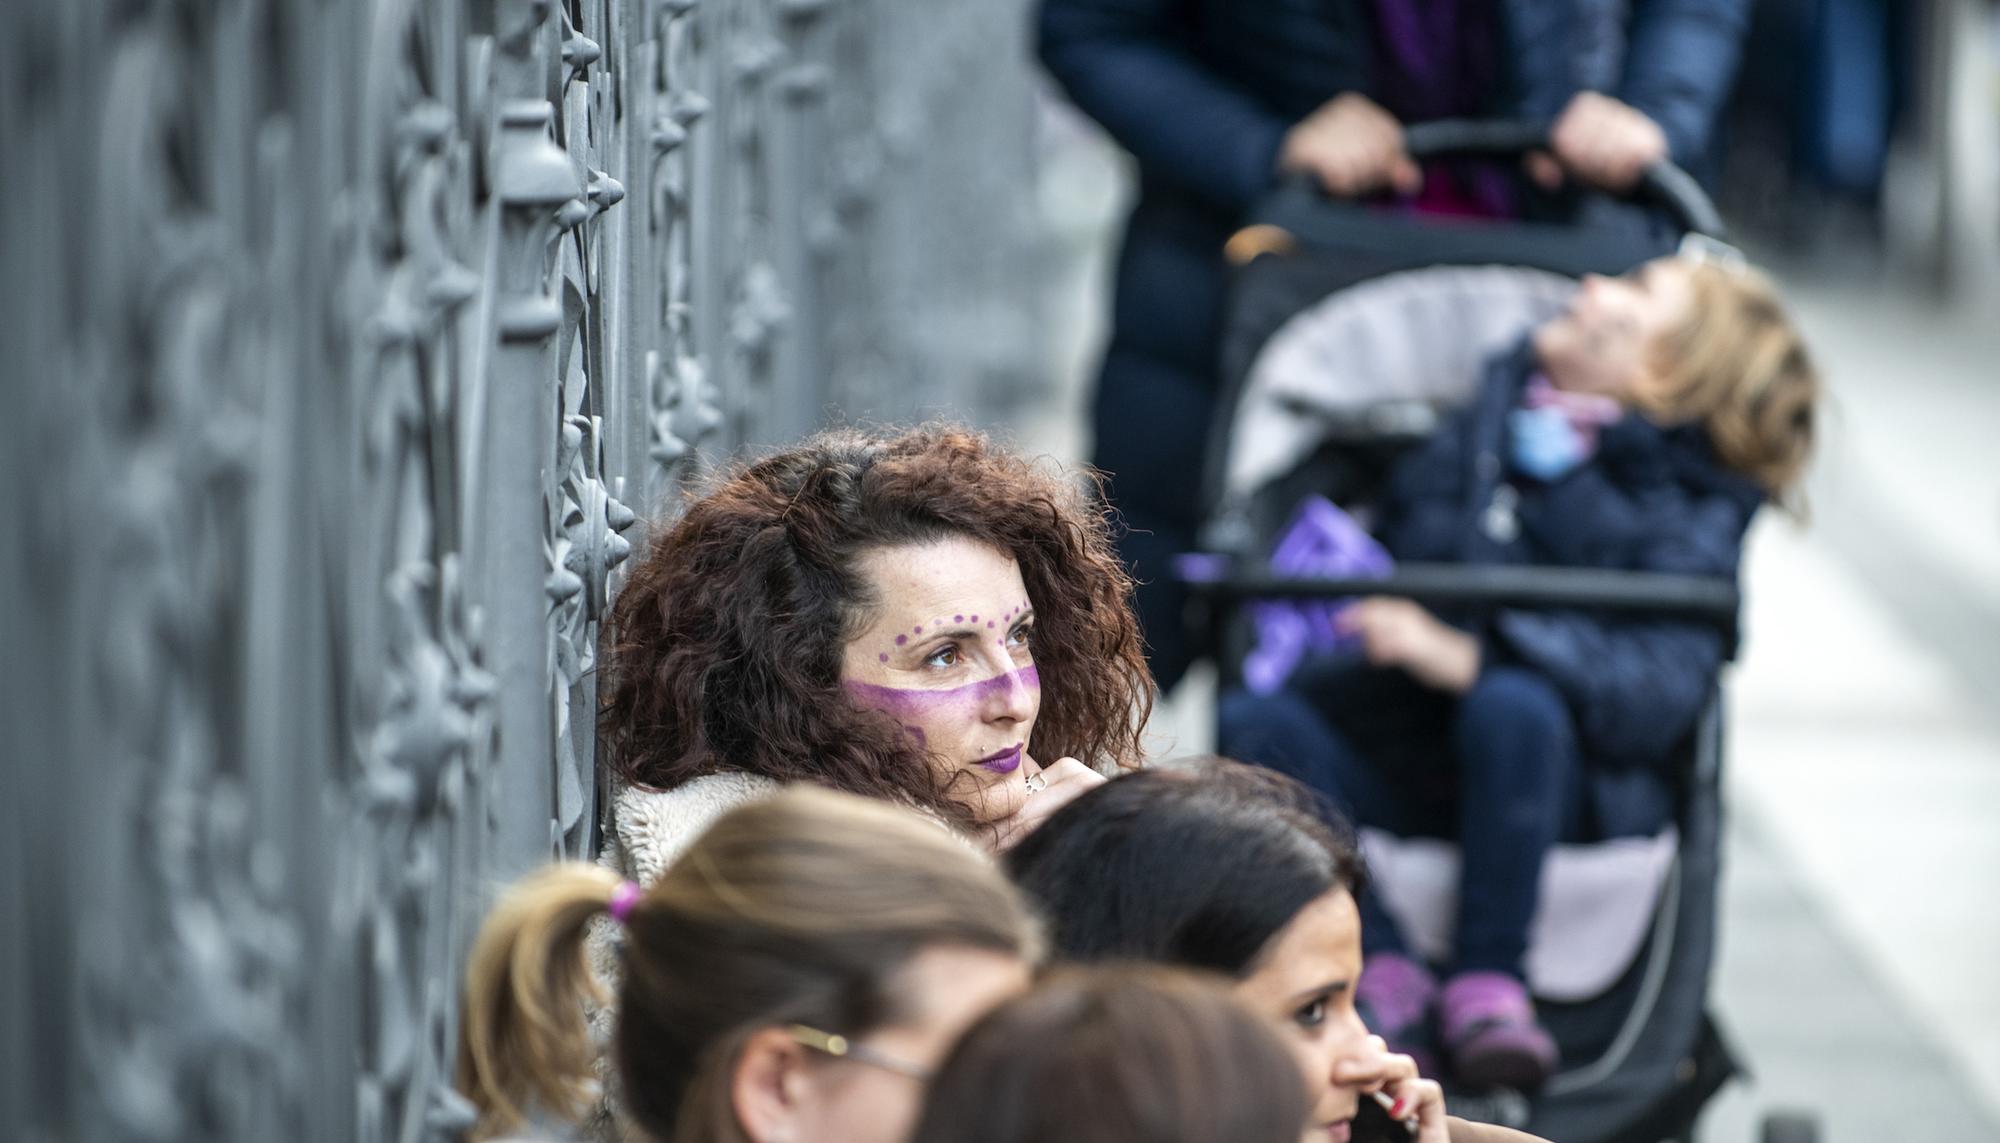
x=1650 y=499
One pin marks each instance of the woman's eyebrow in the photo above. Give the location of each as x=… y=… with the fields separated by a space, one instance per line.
x=1333 y=988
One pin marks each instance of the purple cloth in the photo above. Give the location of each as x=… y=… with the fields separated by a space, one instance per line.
x=1440 y=59
x=1322 y=541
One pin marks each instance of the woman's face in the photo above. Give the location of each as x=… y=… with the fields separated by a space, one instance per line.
x=948 y=655
x=942 y=991
x=1305 y=986
x=1604 y=342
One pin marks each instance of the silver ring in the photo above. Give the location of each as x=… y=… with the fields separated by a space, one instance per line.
x=1037 y=783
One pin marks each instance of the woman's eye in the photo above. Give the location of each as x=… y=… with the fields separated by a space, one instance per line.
x=1018 y=637
x=946 y=656
x=1312 y=1015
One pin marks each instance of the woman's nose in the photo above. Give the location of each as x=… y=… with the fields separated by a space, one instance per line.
x=1011 y=696
x=1353 y=1033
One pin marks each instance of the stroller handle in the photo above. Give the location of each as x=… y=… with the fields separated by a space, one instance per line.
x=1664 y=184
x=1443 y=138
x=1706 y=599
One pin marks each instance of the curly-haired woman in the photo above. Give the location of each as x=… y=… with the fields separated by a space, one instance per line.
x=921 y=617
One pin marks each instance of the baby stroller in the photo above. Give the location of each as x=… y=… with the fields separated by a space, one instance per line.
x=1348 y=332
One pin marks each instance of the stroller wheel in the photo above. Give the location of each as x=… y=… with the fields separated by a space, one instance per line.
x=1790 y=1127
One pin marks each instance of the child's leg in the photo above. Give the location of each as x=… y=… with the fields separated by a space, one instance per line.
x=1284 y=732
x=1520 y=788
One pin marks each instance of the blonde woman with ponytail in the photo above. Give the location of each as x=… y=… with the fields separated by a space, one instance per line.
x=794 y=976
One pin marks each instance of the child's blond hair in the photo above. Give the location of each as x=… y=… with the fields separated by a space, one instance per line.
x=1738 y=366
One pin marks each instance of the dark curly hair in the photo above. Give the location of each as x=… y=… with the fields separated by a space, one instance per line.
x=724 y=647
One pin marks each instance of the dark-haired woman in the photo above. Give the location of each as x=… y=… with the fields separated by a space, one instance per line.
x=1232 y=869
x=923 y=618
x=1117 y=1055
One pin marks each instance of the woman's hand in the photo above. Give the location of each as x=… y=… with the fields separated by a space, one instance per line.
x=1352 y=147
x=1398 y=633
x=1604 y=142
x=1063 y=782
x=1377 y=1069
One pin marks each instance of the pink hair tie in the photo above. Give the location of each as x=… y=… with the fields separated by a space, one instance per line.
x=622 y=899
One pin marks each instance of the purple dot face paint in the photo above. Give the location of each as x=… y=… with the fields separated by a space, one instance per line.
x=884 y=656
x=902 y=639
x=919 y=630
x=958 y=619
x=989 y=625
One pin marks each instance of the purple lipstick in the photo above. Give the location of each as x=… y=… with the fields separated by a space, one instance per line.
x=1002 y=761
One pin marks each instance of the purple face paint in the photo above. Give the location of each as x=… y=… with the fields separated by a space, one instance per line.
x=958 y=619
x=883 y=656
x=975 y=619
x=919 y=630
x=913 y=705
x=989 y=625
x=902 y=639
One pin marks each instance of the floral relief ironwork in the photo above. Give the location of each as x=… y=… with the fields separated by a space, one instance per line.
x=367 y=342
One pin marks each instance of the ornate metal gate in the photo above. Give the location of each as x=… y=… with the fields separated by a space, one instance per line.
x=345 y=341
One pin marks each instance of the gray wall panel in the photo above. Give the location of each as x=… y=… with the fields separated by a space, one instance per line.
x=349 y=347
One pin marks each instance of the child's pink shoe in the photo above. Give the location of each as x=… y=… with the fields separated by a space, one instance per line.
x=1491 y=1033
x=1395 y=997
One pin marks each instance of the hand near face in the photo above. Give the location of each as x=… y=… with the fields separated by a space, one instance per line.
x=1375 y=1068
x=1399 y=633
x=1066 y=779
x=1352 y=147
x=1606 y=143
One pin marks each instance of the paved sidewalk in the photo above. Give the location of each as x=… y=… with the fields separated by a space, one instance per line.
x=1865 y=760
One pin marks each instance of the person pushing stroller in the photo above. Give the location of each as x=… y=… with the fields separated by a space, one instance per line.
x=1638 y=430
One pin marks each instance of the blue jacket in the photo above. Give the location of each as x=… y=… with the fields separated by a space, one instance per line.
x=1202 y=91
x=1651 y=499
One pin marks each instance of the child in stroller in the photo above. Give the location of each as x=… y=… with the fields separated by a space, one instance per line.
x=1638 y=430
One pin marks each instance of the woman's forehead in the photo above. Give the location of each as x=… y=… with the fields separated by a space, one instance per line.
x=1321 y=943
x=943 y=577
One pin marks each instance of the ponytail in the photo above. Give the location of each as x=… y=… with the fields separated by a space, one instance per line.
x=802 y=908
x=523 y=1031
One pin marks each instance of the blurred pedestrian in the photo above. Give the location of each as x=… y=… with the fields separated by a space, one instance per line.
x=795 y=975
x=1638 y=431
x=1117 y=1055
x=1219 y=99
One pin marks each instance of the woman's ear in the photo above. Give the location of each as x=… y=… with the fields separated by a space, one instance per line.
x=769 y=1086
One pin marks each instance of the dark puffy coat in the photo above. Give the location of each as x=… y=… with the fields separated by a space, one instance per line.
x=1201 y=92
x=1651 y=499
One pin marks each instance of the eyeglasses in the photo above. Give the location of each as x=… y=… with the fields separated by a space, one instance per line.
x=840 y=1047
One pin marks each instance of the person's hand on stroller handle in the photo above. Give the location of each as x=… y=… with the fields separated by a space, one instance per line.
x=1399 y=633
x=1351 y=147
x=1603 y=141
